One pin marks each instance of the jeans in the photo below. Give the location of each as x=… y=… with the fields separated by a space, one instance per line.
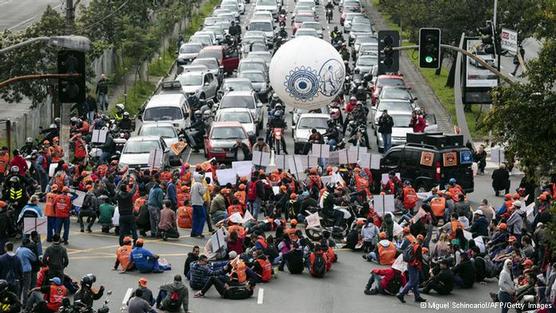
x=505 y=300
x=218 y=216
x=198 y=220
x=26 y=285
x=332 y=143
x=63 y=222
x=412 y=283
x=91 y=116
x=255 y=207
x=104 y=157
x=91 y=216
x=50 y=227
x=102 y=100
x=374 y=279
x=154 y=216
x=387 y=139
x=127 y=226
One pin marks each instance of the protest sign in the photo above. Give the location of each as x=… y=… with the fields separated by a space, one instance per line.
x=37 y=224
x=343 y=156
x=51 y=169
x=243 y=168
x=497 y=155
x=261 y=158
x=99 y=135
x=375 y=161
x=218 y=240
x=280 y=161
x=320 y=151
x=226 y=176
x=384 y=203
x=364 y=160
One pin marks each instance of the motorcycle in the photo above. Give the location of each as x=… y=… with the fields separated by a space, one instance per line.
x=79 y=307
x=329 y=14
x=282 y=20
x=194 y=139
x=276 y=141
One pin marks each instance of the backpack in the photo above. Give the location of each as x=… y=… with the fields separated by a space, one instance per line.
x=90 y=203
x=408 y=253
x=174 y=299
x=319 y=266
x=252 y=191
x=395 y=284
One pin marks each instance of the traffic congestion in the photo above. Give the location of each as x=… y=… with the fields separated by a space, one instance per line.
x=260 y=166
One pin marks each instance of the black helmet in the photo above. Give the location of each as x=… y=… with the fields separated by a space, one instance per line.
x=330 y=123
x=88 y=280
x=3 y=285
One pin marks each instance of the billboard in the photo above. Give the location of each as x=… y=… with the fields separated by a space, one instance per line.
x=476 y=75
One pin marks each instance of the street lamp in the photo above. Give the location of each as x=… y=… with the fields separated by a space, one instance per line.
x=72 y=42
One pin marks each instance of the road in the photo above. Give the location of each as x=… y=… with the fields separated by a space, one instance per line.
x=16 y=15
x=340 y=291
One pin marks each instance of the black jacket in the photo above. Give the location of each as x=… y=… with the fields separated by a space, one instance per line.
x=125 y=203
x=466 y=270
x=500 y=178
x=87 y=296
x=385 y=124
x=56 y=257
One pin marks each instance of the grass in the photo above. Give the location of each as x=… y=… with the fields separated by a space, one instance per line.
x=137 y=95
x=162 y=65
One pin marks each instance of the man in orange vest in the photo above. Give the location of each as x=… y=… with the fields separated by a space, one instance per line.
x=384 y=253
x=50 y=212
x=62 y=210
x=53 y=293
x=409 y=196
x=122 y=256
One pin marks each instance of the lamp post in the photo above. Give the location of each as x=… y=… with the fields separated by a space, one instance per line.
x=71 y=42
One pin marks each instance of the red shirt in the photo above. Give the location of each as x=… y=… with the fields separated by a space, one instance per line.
x=19 y=161
x=387 y=275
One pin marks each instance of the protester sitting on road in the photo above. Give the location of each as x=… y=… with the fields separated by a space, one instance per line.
x=386 y=281
x=144 y=260
x=231 y=289
x=441 y=280
x=167 y=226
x=173 y=296
x=191 y=257
x=146 y=293
x=200 y=272
x=138 y=305
x=123 y=256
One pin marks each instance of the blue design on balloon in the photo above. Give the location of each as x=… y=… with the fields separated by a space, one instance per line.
x=302 y=83
x=331 y=77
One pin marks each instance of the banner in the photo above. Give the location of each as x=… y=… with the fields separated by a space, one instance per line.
x=384 y=203
x=261 y=158
x=226 y=176
x=37 y=224
x=243 y=168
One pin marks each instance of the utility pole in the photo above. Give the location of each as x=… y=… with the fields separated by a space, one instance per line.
x=70 y=17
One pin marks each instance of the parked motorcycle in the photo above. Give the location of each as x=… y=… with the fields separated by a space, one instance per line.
x=314 y=230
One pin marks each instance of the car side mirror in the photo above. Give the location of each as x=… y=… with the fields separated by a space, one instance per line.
x=414 y=98
x=259 y=105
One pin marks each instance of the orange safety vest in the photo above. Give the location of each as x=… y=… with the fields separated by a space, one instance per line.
x=262 y=242
x=410 y=238
x=56 y=153
x=241 y=196
x=102 y=169
x=275 y=177
x=312 y=258
x=49 y=207
x=438 y=205
x=185 y=217
x=63 y=206
x=409 y=198
x=139 y=202
x=186 y=178
x=387 y=255
x=4 y=161
x=240 y=230
x=181 y=197
x=80 y=151
x=55 y=297
x=453 y=226
x=235 y=208
x=331 y=255
x=122 y=255
x=362 y=184
x=166 y=176
x=239 y=268
x=266 y=274
x=455 y=191
x=59 y=180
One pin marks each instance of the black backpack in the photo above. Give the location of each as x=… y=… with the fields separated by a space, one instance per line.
x=408 y=253
x=319 y=266
x=394 y=285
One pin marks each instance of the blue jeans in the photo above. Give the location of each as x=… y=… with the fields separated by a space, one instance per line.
x=63 y=222
x=387 y=139
x=198 y=222
x=102 y=100
x=255 y=207
x=412 y=283
x=505 y=300
x=50 y=227
x=332 y=143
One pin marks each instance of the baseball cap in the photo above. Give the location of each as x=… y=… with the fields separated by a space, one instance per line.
x=56 y=280
x=143 y=282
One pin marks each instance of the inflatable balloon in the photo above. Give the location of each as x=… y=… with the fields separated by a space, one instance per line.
x=307 y=73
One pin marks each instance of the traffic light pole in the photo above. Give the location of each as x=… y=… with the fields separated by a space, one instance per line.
x=503 y=76
x=35 y=77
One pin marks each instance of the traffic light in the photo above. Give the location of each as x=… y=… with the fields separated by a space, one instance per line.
x=429 y=47
x=388 y=59
x=71 y=89
x=487 y=38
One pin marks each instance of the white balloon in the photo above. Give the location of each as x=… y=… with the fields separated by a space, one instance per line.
x=307 y=73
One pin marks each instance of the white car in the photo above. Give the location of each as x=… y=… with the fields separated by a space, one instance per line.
x=267 y=5
x=202 y=84
x=262 y=15
x=265 y=26
x=313 y=25
x=188 y=52
x=244 y=99
x=401 y=128
x=168 y=107
x=241 y=115
x=306 y=32
x=137 y=150
x=161 y=129
x=302 y=130
x=394 y=105
x=266 y=56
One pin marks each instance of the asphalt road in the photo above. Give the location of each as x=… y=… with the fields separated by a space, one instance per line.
x=18 y=14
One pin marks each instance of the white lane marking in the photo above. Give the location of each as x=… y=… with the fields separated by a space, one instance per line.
x=127 y=296
x=260 y=296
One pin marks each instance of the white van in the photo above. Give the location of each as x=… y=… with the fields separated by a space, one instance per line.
x=168 y=107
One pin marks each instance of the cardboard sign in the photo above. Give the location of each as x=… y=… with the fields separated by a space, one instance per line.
x=236 y=218
x=384 y=203
x=450 y=158
x=427 y=158
x=375 y=161
x=243 y=168
x=218 y=240
x=397 y=229
x=78 y=201
x=320 y=151
x=326 y=180
x=99 y=135
x=261 y=158
x=334 y=158
x=400 y=264
x=247 y=217
x=51 y=169
x=280 y=161
x=364 y=160
x=295 y=164
x=155 y=158
x=343 y=156
x=226 y=176
x=37 y=224
x=497 y=155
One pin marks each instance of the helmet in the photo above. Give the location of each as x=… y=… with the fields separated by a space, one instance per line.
x=353 y=98
x=57 y=120
x=53 y=126
x=275 y=97
x=360 y=88
x=330 y=123
x=452 y=181
x=120 y=106
x=126 y=114
x=29 y=140
x=278 y=106
x=278 y=113
x=14 y=169
x=14 y=179
x=335 y=27
x=88 y=280
x=357 y=70
x=3 y=285
x=198 y=113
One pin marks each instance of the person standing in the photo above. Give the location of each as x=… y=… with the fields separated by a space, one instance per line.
x=506 y=285
x=91 y=107
x=197 y=202
x=480 y=157
x=89 y=209
x=124 y=196
x=385 y=124
x=501 y=180
x=56 y=257
x=154 y=203
x=172 y=194
x=62 y=210
x=414 y=266
x=28 y=258
x=102 y=92
x=11 y=268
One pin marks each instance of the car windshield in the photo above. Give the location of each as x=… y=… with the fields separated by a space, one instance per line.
x=351 y=16
x=137 y=147
x=210 y=53
x=367 y=61
x=242 y=117
x=208 y=62
x=162 y=114
x=237 y=102
x=395 y=93
x=266 y=2
x=366 y=39
x=394 y=106
x=264 y=56
x=190 y=49
x=262 y=26
x=191 y=79
x=312 y=25
x=304 y=18
x=254 y=77
x=231 y=7
x=164 y=132
x=249 y=66
x=200 y=39
x=227 y=133
x=210 y=20
x=312 y=122
x=361 y=27
x=390 y=82
x=238 y=85
x=306 y=32
x=401 y=120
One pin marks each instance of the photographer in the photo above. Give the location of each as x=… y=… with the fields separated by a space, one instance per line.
x=442 y=279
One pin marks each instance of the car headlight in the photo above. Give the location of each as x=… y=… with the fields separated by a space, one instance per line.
x=217 y=150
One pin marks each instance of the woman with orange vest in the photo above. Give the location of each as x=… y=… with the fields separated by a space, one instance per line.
x=385 y=252
x=122 y=256
x=62 y=209
x=50 y=211
x=235 y=207
x=409 y=196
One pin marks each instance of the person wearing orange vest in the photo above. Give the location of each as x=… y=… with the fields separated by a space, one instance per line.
x=312 y=260
x=241 y=196
x=235 y=207
x=54 y=293
x=50 y=212
x=62 y=209
x=262 y=268
x=56 y=151
x=385 y=252
x=409 y=196
x=438 y=206
x=79 y=148
x=454 y=189
x=122 y=256
x=414 y=267
x=361 y=183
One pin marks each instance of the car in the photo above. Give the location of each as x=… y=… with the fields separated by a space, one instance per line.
x=252 y=47
x=262 y=15
x=267 y=5
x=297 y=112
x=259 y=80
x=160 y=129
x=314 y=25
x=359 y=28
x=266 y=56
x=363 y=39
x=205 y=40
x=209 y=21
x=237 y=84
x=201 y=84
x=240 y=5
x=346 y=18
x=306 y=32
x=253 y=65
x=305 y=5
x=207 y=33
x=367 y=64
x=397 y=105
x=351 y=6
x=217 y=30
x=299 y=19
x=229 y=16
x=223 y=22
x=220 y=11
x=385 y=80
x=265 y=26
x=188 y=52
x=241 y=115
x=302 y=130
x=401 y=128
x=392 y=92
x=212 y=65
x=137 y=151
x=368 y=48
x=428 y=160
x=227 y=57
x=170 y=106
x=191 y=68
x=233 y=7
x=222 y=138
x=244 y=99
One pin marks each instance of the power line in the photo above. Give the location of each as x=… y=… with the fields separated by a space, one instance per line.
x=107 y=16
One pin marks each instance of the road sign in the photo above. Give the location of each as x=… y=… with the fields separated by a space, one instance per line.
x=508 y=40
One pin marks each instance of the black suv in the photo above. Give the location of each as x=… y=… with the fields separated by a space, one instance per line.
x=430 y=159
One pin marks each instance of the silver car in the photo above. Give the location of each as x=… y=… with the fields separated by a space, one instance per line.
x=202 y=84
x=241 y=115
x=397 y=105
x=244 y=99
x=259 y=81
x=401 y=128
x=306 y=32
x=313 y=25
x=137 y=150
x=267 y=27
x=253 y=65
x=367 y=64
x=302 y=130
x=188 y=52
x=359 y=28
x=213 y=67
x=237 y=84
x=266 y=56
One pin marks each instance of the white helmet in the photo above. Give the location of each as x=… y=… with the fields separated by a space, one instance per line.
x=120 y=106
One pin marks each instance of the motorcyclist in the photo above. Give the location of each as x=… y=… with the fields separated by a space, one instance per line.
x=328 y=202
x=274 y=101
x=278 y=43
x=9 y=302
x=234 y=30
x=119 y=115
x=283 y=32
x=85 y=294
x=278 y=122
x=334 y=34
x=330 y=6
x=228 y=40
x=344 y=52
x=199 y=126
x=125 y=123
x=333 y=134
x=361 y=94
x=28 y=147
x=15 y=192
x=348 y=69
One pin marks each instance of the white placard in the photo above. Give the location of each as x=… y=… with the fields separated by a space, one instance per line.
x=280 y=161
x=333 y=158
x=384 y=204
x=261 y=158
x=155 y=158
x=497 y=155
x=78 y=201
x=468 y=235
x=243 y=168
x=38 y=224
x=424 y=195
x=226 y=176
x=337 y=179
x=247 y=217
x=312 y=220
x=530 y=212
x=51 y=169
x=209 y=175
x=375 y=161
x=364 y=160
x=312 y=161
x=397 y=229
x=276 y=190
x=99 y=135
x=295 y=164
x=343 y=156
x=320 y=151
x=218 y=240
x=384 y=178
x=420 y=213
x=400 y=264
x=236 y=218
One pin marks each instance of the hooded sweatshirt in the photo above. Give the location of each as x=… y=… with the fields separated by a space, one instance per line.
x=505 y=281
